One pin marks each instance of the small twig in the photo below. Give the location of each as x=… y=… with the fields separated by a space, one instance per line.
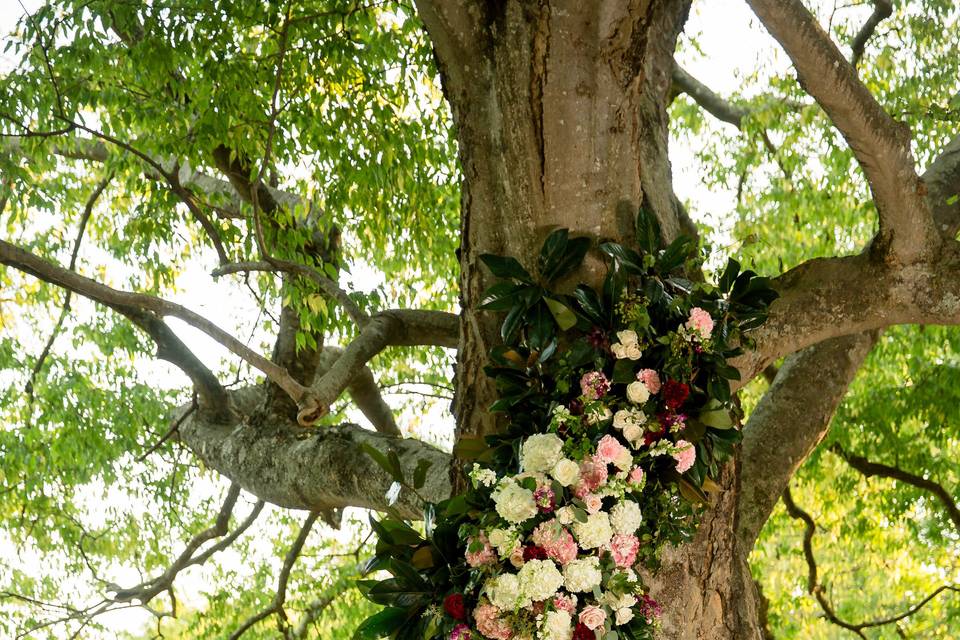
x=882 y=9
x=171 y=431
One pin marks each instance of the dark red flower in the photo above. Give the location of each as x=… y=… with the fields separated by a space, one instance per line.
x=675 y=394
x=533 y=552
x=649 y=437
x=453 y=605
x=598 y=339
x=576 y=407
x=650 y=608
x=583 y=632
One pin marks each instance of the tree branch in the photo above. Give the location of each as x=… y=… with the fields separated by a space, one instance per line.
x=881 y=145
x=276 y=607
x=711 y=102
x=881 y=11
x=817 y=590
x=146 y=311
x=365 y=394
x=871 y=469
x=316 y=470
x=942 y=179
x=796 y=415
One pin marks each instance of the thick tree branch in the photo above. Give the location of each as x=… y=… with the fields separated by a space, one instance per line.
x=796 y=415
x=872 y=469
x=146 y=310
x=318 y=470
x=942 y=179
x=880 y=144
x=881 y=11
x=365 y=394
x=816 y=588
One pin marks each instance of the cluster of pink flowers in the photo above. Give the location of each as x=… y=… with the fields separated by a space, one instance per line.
x=559 y=561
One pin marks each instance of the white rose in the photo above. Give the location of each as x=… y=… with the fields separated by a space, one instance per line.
x=625 y=517
x=565 y=515
x=627 y=337
x=566 y=472
x=624 y=460
x=622 y=419
x=539 y=580
x=504 y=592
x=540 y=452
x=619 y=351
x=514 y=503
x=582 y=574
x=637 y=392
x=593 y=533
x=633 y=433
x=633 y=352
x=623 y=616
x=557 y=626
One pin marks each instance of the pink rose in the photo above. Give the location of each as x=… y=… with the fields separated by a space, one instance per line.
x=482 y=556
x=593 y=502
x=701 y=322
x=490 y=624
x=516 y=557
x=650 y=379
x=685 y=454
x=592 y=616
x=636 y=476
x=610 y=450
x=623 y=548
x=594 y=385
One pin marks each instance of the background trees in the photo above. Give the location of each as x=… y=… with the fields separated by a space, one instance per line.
x=147 y=146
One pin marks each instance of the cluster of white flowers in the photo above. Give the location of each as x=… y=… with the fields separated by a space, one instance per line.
x=582 y=575
x=595 y=532
x=514 y=503
x=539 y=580
x=628 y=346
x=625 y=517
x=541 y=452
x=481 y=476
x=556 y=626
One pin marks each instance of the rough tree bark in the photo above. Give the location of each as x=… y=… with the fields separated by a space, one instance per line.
x=561 y=119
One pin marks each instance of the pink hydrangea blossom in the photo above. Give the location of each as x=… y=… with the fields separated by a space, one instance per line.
x=592 y=616
x=490 y=624
x=623 y=548
x=593 y=475
x=701 y=322
x=594 y=385
x=609 y=449
x=636 y=476
x=685 y=454
x=566 y=603
x=556 y=541
x=460 y=632
x=650 y=379
x=482 y=556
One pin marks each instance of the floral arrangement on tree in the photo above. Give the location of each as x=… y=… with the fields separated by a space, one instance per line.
x=618 y=416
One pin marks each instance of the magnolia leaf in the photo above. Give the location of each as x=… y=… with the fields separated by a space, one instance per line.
x=561 y=313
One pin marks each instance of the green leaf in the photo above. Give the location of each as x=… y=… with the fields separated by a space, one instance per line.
x=389 y=463
x=381 y=624
x=729 y=275
x=506 y=267
x=648 y=231
x=561 y=313
x=420 y=473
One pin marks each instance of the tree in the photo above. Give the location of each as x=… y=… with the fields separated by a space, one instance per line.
x=280 y=142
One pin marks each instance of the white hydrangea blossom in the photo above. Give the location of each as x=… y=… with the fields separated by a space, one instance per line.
x=582 y=574
x=593 y=533
x=505 y=593
x=514 y=503
x=541 y=452
x=539 y=580
x=625 y=517
x=557 y=625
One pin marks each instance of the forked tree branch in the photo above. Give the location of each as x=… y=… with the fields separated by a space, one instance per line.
x=877 y=469
x=880 y=144
x=815 y=586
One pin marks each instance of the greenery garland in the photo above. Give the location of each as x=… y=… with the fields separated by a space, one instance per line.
x=619 y=417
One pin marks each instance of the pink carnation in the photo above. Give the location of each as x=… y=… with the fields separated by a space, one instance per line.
x=490 y=624
x=556 y=541
x=650 y=379
x=623 y=548
x=592 y=617
x=460 y=632
x=609 y=449
x=593 y=474
x=566 y=603
x=701 y=322
x=594 y=385
x=685 y=455
x=482 y=556
x=636 y=476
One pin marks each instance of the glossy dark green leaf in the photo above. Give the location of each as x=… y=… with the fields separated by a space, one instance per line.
x=648 y=231
x=506 y=267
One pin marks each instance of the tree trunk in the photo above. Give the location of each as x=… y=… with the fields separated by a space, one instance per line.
x=561 y=116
